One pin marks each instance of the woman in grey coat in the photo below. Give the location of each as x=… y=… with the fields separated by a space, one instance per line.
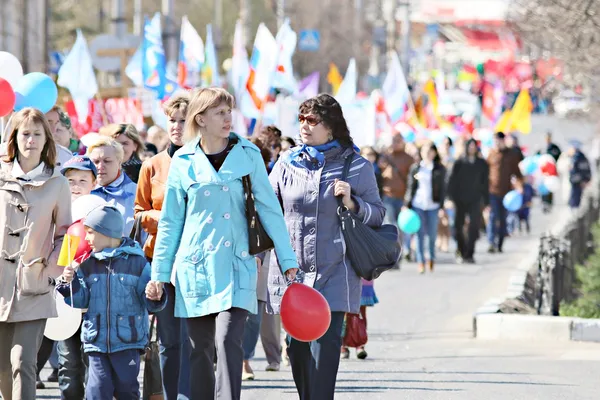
x=307 y=182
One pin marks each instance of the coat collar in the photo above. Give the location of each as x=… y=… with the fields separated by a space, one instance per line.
x=6 y=169
x=237 y=164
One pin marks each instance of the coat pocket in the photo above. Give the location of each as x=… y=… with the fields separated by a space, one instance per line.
x=246 y=270
x=191 y=275
x=33 y=279
x=90 y=327
x=131 y=328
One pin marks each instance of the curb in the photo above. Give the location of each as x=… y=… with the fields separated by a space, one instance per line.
x=535 y=328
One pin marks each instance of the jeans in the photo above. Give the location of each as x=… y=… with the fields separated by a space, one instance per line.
x=393 y=206
x=315 y=364
x=252 y=331
x=429 y=226
x=71 y=368
x=174 y=350
x=496 y=227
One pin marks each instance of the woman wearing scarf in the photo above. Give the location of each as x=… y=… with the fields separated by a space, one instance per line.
x=114 y=186
x=172 y=332
x=307 y=180
x=132 y=144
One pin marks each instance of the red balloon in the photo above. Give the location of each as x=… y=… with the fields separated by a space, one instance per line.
x=83 y=250
x=7 y=97
x=305 y=313
x=549 y=169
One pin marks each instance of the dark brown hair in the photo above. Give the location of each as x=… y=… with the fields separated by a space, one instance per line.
x=330 y=112
x=48 y=156
x=264 y=152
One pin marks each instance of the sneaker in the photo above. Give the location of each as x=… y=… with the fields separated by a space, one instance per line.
x=273 y=367
x=53 y=377
x=459 y=259
x=247 y=373
x=345 y=353
x=361 y=354
x=470 y=260
x=492 y=249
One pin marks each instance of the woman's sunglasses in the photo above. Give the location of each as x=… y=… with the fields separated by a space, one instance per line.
x=310 y=119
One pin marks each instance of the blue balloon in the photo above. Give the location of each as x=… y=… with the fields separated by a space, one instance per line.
x=409 y=221
x=36 y=90
x=409 y=136
x=513 y=201
x=530 y=165
x=542 y=189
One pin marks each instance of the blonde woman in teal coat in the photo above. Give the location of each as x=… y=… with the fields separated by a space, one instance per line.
x=203 y=236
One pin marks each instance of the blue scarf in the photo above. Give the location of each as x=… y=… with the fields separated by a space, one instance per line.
x=316 y=156
x=117 y=192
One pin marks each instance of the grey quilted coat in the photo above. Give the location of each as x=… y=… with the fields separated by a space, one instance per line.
x=310 y=212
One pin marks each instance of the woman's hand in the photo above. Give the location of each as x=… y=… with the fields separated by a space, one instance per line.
x=154 y=290
x=291 y=273
x=344 y=189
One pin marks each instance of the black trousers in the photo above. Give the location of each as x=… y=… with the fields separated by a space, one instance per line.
x=466 y=246
x=315 y=364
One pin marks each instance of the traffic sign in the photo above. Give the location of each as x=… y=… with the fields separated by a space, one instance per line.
x=310 y=40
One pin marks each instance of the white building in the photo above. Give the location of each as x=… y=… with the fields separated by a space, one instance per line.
x=22 y=32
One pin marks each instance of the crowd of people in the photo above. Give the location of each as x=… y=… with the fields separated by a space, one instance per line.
x=167 y=234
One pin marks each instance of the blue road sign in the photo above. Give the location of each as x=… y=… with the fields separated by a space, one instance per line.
x=309 y=40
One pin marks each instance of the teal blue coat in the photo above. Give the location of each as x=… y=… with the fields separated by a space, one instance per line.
x=203 y=234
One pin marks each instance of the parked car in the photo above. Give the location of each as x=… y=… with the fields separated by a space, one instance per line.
x=570 y=104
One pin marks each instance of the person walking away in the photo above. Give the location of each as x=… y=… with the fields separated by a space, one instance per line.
x=580 y=173
x=36 y=213
x=172 y=331
x=503 y=164
x=307 y=182
x=395 y=166
x=554 y=151
x=425 y=194
x=115 y=326
x=199 y=233
x=468 y=189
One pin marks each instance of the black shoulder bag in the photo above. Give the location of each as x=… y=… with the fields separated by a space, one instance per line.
x=370 y=250
x=259 y=240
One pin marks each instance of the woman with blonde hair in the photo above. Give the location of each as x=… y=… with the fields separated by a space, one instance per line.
x=133 y=147
x=33 y=193
x=172 y=333
x=113 y=185
x=202 y=235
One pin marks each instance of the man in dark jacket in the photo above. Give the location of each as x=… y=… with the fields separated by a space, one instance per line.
x=580 y=174
x=503 y=164
x=468 y=188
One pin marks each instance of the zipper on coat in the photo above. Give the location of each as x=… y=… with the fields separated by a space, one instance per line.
x=108 y=273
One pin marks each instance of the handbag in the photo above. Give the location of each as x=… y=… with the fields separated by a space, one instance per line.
x=152 y=386
x=356 y=331
x=259 y=240
x=370 y=250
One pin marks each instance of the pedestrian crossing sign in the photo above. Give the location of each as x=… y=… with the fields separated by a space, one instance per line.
x=309 y=40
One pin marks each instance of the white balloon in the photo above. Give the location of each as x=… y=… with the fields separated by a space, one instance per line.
x=552 y=183
x=546 y=158
x=66 y=324
x=10 y=68
x=84 y=204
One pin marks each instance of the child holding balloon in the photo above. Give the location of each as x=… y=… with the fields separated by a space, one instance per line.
x=527 y=192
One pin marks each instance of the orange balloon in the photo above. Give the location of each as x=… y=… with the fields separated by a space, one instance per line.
x=83 y=250
x=305 y=314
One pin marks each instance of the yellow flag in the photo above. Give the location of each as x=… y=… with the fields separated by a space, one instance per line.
x=68 y=250
x=334 y=78
x=519 y=118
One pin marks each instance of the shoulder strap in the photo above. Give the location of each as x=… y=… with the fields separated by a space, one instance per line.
x=345 y=173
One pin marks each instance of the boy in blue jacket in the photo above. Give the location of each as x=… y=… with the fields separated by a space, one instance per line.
x=113 y=285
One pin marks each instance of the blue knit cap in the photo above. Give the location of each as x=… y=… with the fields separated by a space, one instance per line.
x=106 y=220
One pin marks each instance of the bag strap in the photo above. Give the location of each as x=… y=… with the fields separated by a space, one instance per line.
x=345 y=172
x=248 y=192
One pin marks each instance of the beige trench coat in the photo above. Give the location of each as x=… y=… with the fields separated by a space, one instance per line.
x=34 y=217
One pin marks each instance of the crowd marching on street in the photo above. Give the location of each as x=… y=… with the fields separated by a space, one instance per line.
x=163 y=216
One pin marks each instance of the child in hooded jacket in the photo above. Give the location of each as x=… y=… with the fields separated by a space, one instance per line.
x=113 y=285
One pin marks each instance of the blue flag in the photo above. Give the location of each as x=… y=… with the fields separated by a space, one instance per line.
x=154 y=70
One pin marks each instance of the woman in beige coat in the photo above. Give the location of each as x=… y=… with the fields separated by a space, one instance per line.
x=35 y=213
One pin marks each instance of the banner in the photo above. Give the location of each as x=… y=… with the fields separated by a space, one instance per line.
x=104 y=112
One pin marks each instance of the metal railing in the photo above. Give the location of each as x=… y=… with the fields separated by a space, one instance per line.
x=554 y=278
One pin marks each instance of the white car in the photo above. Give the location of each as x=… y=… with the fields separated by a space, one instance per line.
x=569 y=103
